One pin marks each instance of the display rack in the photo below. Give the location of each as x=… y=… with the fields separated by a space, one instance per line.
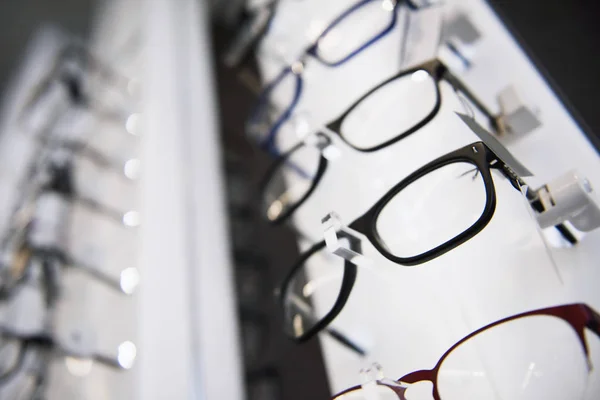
x=187 y=331
x=407 y=317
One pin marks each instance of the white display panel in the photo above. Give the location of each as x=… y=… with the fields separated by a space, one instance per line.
x=102 y=315
x=408 y=317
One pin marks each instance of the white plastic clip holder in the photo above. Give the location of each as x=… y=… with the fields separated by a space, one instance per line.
x=335 y=232
x=370 y=378
x=569 y=198
x=460 y=37
x=324 y=144
x=460 y=27
x=518 y=119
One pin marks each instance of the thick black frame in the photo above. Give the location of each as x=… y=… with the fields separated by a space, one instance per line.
x=438 y=71
x=348 y=279
x=477 y=154
x=483 y=160
x=280 y=161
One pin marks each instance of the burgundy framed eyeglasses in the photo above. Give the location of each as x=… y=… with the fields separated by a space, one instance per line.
x=541 y=354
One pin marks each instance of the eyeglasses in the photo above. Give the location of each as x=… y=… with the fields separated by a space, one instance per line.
x=432 y=211
x=34 y=233
x=27 y=372
x=378 y=15
x=368 y=125
x=376 y=120
x=304 y=165
x=507 y=360
x=305 y=314
x=62 y=182
x=72 y=66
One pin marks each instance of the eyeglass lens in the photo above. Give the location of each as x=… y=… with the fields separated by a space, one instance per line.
x=391 y=110
x=432 y=210
x=355 y=30
x=509 y=361
x=291 y=181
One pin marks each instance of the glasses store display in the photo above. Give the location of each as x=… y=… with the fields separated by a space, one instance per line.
x=439 y=206
x=363 y=128
x=35 y=247
x=402 y=228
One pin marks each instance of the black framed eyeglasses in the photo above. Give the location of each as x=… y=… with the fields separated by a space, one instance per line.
x=47 y=346
x=374 y=121
x=264 y=126
x=305 y=315
x=429 y=213
x=303 y=165
x=364 y=129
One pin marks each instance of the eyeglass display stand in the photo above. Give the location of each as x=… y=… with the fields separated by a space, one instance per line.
x=93 y=322
x=407 y=317
x=187 y=330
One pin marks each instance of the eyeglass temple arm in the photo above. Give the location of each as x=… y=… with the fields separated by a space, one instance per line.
x=355 y=244
x=95 y=273
x=517 y=182
x=99 y=208
x=345 y=341
x=78 y=53
x=334 y=333
x=67 y=260
x=76 y=50
x=458 y=85
x=340 y=337
x=48 y=342
x=86 y=151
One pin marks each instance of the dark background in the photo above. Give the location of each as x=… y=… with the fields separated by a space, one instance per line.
x=19 y=19
x=562 y=38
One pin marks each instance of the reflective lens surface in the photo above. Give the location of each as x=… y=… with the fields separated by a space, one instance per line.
x=510 y=362
x=355 y=29
x=390 y=111
x=432 y=210
x=379 y=392
x=312 y=292
x=292 y=180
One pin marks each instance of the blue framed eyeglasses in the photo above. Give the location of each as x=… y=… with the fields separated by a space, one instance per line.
x=263 y=125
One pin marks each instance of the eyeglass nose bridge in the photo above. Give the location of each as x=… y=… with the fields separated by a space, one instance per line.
x=334 y=230
x=417 y=377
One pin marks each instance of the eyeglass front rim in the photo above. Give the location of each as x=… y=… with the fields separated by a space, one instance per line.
x=430 y=68
x=272 y=172
x=367 y=224
x=348 y=279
